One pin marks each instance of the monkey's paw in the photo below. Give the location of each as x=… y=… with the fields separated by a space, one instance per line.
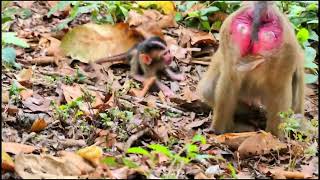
x=168 y=93
x=180 y=77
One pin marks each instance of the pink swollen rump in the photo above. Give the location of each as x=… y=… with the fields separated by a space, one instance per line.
x=269 y=33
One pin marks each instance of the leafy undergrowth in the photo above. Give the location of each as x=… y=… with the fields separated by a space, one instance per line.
x=59 y=121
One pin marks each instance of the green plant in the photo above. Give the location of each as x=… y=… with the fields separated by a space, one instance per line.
x=197 y=18
x=302 y=130
x=112 y=114
x=8 y=53
x=177 y=160
x=72 y=108
x=232 y=170
x=304 y=18
x=151 y=113
x=14 y=93
x=101 y=11
x=78 y=77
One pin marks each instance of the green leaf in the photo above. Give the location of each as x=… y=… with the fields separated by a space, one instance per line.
x=314 y=36
x=233 y=170
x=310 y=78
x=10 y=11
x=181 y=159
x=124 y=11
x=205 y=25
x=8 y=55
x=199 y=138
x=138 y=150
x=58 y=7
x=178 y=17
x=160 y=149
x=25 y=13
x=11 y=38
x=110 y=161
x=315 y=21
x=204 y=18
x=309 y=54
x=303 y=35
x=208 y=10
x=129 y=163
x=203 y=156
x=194 y=14
x=312 y=7
x=192 y=148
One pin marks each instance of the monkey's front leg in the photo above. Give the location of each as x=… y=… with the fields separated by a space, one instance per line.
x=165 y=89
x=174 y=76
x=225 y=101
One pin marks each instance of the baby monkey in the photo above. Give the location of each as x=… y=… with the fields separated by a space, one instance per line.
x=146 y=60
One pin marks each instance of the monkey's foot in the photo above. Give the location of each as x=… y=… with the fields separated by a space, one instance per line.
x=178 y=77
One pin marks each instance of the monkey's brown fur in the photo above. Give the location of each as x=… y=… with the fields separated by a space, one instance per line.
x=278 y=82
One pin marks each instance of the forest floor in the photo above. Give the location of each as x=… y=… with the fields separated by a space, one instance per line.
x=76 y=138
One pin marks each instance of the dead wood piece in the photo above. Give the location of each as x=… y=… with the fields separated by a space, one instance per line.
x=160 y=105
x=135 y=137
x=73 y=142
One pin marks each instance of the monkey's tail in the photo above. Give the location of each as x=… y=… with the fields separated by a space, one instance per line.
x=118 y=57
x=259 y=9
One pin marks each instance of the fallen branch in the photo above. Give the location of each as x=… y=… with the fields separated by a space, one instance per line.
x=135 y=137
x=159 y=105
x=200 y=62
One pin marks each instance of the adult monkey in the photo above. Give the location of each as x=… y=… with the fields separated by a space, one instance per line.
x=258 y=57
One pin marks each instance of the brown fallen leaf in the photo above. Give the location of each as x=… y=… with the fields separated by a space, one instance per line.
x=7 y=163
x=31 y=166
x=151 y=101
x=196 y=36
x=308 y=170
x=51 y=45
x=5 y=96
x=121 y=173
x=150 y=22
x=12 y=110
x=90 y=42
x=196 y=123
x=77 y=160
x=279 y=173
x=259 y=144
x=218 y=16
x=25 y=4
x=162 y=132
x=16 y=148
x=26 y=93
x=189 y=95
x=64 y=12
x=92 y=153
x=25 y=77
x=234 y=140
x=37 y=103
x=201 y=175
x=38 y=125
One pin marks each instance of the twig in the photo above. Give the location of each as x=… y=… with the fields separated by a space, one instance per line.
x=206 y=59
x=134 y=137
x=160 y=105
x=200 y=62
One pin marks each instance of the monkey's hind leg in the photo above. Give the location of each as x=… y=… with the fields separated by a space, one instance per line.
x=277 y=102
x=226 y=97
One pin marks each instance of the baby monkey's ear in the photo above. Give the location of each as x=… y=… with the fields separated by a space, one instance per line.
x=145 y=59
